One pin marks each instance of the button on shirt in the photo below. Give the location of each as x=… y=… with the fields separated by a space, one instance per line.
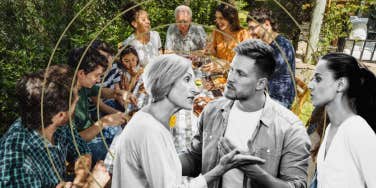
x=281 y=140
x=240 y=128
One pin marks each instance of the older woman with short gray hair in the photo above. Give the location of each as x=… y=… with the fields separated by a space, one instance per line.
x=145 y=155
x=160 y=77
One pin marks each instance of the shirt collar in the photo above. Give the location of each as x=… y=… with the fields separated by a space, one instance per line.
x=30 y=137
x=36 y=140
x=268 y=113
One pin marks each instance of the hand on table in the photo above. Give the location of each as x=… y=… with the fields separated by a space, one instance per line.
x=99 y=176
x=113 y=119
x=124 y=96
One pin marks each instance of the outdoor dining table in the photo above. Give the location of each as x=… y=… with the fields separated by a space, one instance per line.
x=211 y=86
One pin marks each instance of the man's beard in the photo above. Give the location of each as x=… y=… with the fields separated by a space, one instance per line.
x=236 y=96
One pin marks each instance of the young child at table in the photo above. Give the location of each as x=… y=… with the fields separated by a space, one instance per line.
x=130 y=71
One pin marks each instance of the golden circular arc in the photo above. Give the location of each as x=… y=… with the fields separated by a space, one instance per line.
x=90 y=43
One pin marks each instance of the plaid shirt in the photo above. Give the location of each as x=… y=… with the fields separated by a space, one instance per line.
x=195 y=39
x=24 y=161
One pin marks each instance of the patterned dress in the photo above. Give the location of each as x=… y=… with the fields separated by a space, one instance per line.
x=281 y=84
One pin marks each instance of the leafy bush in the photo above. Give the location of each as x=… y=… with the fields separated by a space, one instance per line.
x=297 y=9
x=336 y=23
x=29 y=30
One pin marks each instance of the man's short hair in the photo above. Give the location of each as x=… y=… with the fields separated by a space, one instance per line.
x=161 y=74
x=104 y=46
x=261 y=15
x=56 y=95
x=183 y=8
x=90 y=61
x=261 y=52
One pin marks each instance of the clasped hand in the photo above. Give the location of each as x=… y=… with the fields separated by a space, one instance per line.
x=245 y=162
x=124 y=97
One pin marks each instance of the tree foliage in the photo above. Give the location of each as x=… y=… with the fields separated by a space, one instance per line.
x=297 y=9
x=336 y=23
x=30 y=29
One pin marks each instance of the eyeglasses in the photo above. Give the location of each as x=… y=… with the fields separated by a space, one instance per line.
x=252 y=28
x=182 y=21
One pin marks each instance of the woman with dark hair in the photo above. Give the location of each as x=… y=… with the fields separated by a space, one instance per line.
x=347 y=90
x=130 y=67
x=146 y=42
x=228 y=33
x=130 y=71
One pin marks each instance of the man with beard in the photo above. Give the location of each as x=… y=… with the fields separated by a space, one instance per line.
x=248 y=119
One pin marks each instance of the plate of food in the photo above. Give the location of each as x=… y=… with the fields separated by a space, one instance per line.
x=219 y=81
x=199 y=104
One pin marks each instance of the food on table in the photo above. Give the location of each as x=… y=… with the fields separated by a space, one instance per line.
x=199 y=104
